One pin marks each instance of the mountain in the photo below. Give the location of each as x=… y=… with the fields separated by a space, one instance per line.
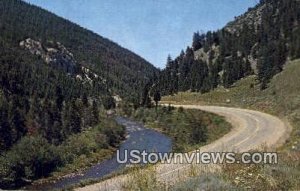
x=123 y=70
x=55 y=76
x=258 y=42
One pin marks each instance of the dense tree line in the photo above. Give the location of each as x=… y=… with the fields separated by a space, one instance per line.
x=41 y=109
x=278 y=37
x=37 y=99
x=224 y=56
x=34 y=157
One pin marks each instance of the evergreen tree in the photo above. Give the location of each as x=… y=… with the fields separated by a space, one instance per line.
x=95 y=113
x=75 y=120
x=146 y=100
x=59 y=98
x=85 y=100
x=109 y=102
x=6 y=139
x=157 y=98
x=169 y=61
x=17 y=124
x=197 y=44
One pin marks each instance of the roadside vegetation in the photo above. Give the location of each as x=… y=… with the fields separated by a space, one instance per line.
x=192 y=179
x=188 y=128
x=144 y=179
x=282 y=176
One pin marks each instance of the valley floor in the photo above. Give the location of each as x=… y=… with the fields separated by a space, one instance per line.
x=269 y=130
x=281 y=99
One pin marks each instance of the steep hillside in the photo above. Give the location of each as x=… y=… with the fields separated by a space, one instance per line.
x=258 y=42
x=280 y=98
x=56 y=78
x=48 y=64
x=124 y=71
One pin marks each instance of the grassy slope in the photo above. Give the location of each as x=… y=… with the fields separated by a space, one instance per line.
x=281 y=98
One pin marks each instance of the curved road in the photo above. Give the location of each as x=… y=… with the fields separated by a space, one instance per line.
x=251 y=130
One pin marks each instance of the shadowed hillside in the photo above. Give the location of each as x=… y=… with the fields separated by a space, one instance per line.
x=56 y=81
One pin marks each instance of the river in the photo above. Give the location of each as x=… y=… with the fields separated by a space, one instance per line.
x=138 y=138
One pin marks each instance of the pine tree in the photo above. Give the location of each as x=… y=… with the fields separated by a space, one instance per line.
x=146 y=100
x=75 y=119
x=95 y=113
x=66 y=119
x=169 y=61
x=85 y=100
x=17 y=124
x=197 y=44
x=6 y=139
x=59 y=98
x=157 y=98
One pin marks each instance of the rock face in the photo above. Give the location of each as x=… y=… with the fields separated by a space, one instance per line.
x=58 y=56
x=53 y=53
x=200 y=54
x=252 y=18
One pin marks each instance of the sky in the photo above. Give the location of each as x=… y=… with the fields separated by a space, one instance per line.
x=152 y=29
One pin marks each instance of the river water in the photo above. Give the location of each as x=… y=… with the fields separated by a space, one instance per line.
x=138 y=138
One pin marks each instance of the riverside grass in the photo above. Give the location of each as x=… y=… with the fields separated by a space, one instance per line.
x=189 y=129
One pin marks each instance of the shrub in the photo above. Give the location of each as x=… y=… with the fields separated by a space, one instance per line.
x=109 y=102
x=30 y=158
x=180 y=110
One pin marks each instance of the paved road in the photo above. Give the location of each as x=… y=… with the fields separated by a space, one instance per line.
x=251 y=130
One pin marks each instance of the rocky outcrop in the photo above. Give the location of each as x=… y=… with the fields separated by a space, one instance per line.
x=252 y=18
x=58 y=56
x=53 y=53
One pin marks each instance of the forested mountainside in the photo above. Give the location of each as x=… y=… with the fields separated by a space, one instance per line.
x=257 y=42
x=55 y=79
x=56 y=75
x=123 y=71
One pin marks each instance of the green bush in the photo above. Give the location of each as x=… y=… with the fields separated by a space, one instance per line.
x=34 y=157
x=30 y=158
x=108 y=102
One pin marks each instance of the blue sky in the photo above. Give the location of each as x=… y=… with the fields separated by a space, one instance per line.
x=151 y=28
